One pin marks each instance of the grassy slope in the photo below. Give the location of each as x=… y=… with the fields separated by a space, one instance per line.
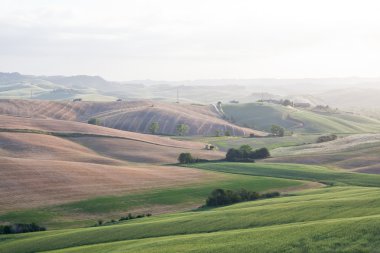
x=262 y=116
x=224 y=143
x=346 y=154
x=340 y=218
x=345 y=235
x=86 y=212
x=335 y=210
x=295 y=171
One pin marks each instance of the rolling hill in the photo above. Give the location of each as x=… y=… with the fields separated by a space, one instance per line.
x=135 y=116
x=355 y=152
x=40 y=169
x=16 y=86
x=58 y=171
x=262 y=116
x=73 y=181
x=341 y=218
x=45 y=162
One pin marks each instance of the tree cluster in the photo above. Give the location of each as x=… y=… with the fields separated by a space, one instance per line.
x=246 y=154
x=186 y=158
x=219 y=133
x=20 y=228
x=221 y=197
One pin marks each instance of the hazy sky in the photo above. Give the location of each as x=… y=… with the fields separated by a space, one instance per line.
x=177 y=40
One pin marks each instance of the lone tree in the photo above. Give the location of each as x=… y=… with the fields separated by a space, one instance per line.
x=154 y=127
x=277 y=130
x=185 y=158
x=94 y=121
x=287 y=102
x=182 y=129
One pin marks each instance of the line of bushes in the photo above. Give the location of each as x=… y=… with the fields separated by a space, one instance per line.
x=221 y=197
x=20 y=228
x=246 y=154
x=123 y=218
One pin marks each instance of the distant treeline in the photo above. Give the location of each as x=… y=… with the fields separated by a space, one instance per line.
x=221 y=197
x=20 y=228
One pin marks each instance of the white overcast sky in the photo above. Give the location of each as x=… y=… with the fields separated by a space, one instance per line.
x=192 y=39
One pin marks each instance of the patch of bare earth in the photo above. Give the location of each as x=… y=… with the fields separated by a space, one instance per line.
x=135 y=151
x=28 y=183
x=42 y=170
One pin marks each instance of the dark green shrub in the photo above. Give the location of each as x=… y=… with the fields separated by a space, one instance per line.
x=277 y=131
x=327 y=138
x=20 y=228
x=185 y=158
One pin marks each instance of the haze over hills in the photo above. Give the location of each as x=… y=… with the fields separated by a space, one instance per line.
x=331 y=91
x=189 y=126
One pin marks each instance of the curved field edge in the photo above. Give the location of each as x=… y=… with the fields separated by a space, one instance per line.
x=294 y=171
x=341 y=235
x=321 y=206
x=167 y=199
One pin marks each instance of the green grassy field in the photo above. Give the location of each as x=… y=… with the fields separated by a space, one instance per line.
x=224 y=143
x=317 y=213
x=87 y=212
x=295 y=171
x=329 y=236
x=262 y=116
x=340 y=218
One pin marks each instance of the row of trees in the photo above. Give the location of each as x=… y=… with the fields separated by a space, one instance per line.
x=183 y=129
x=246 y=154
x=20 y=228
x=219 y=133
x=154 y=128
x=221 y=197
